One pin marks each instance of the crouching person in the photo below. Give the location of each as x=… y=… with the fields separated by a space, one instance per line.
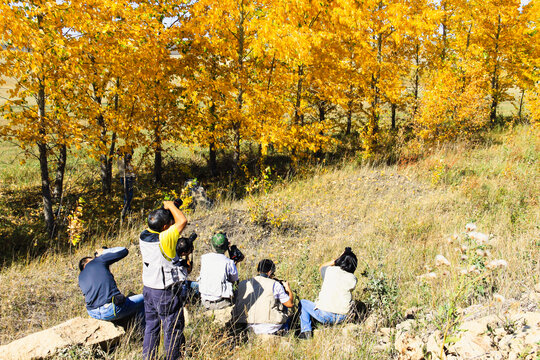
x=103 y=299
x=262 y=302
x=163 y=279
x=218 y=274
x=335 y=297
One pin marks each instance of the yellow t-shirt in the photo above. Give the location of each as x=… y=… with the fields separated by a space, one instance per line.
x=168 y=240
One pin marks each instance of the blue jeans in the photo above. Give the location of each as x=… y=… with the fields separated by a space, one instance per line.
x=163 y=308
x=133 y=306
x=308 y=311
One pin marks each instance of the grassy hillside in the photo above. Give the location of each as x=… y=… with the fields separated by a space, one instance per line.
x=396 y=219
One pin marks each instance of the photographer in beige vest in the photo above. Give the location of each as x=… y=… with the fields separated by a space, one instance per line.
x=262 y=302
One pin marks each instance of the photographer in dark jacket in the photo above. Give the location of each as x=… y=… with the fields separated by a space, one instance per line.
x=103 y=299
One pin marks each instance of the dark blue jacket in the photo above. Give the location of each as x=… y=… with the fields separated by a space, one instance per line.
x=96 y=280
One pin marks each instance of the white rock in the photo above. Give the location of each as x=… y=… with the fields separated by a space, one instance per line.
x=440 y=260
x=470 y=227
x=428 y=276
x=46 y=343
x=495 y=264
x=480 y=238
x=498 y=298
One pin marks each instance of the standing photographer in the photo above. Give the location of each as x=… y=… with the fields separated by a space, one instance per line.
x=218 y=273
x=163 y=279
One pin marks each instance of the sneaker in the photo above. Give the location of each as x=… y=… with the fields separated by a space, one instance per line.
x=305 y=335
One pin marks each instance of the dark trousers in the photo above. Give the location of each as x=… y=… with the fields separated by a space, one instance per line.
x=163 y=307
x=127 y=183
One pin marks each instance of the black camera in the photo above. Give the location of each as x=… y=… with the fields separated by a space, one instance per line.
x=235 y=254
x=184 y=246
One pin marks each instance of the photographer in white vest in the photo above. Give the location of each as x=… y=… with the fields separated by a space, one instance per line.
x=335 y=297
x=218 y=274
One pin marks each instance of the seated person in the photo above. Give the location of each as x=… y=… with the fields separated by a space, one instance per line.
x=218 y=273
x=335 y=298
x=262 y=302
x=103 y=299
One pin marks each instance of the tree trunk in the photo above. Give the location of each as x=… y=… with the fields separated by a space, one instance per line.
x=349 y=117
x=416 y=80
x=212 y=157
x=60 y=171
x=240 y=87
x=299 y=118
x=521 y=105
x=394 y=107
x=44 y=167
x=495 y=76
x=158 y=156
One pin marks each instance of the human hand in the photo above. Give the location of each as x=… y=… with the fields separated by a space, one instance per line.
x=168 y=205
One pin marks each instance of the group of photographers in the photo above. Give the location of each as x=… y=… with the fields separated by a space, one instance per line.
x=260 y=303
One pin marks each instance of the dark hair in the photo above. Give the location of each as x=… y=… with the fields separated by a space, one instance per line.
x=265 y=266
x=83 y=262
x=185 y=245
x=347 y=261
x=157 y=219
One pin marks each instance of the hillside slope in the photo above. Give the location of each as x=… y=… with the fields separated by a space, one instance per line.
x=396 y=219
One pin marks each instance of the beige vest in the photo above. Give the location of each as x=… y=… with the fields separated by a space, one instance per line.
x=255 y=303
x=335 y=295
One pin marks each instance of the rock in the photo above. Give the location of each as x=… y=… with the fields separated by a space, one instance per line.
x=470 y=347
x=537 y=287
x=412 y=312
x=274 y=341
x=477 y=326
x=409 y=347
x=434 y=344
x=371 y=323
x=351 y=329
x=221 y=316
x=406 y=325
x=46 y=343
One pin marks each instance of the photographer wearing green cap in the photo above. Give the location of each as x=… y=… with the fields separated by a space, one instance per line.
x=218 y=273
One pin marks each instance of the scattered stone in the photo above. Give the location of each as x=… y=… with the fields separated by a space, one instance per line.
x=221 y=316
x=75 y=332
x=351 y=329
x=409 y=347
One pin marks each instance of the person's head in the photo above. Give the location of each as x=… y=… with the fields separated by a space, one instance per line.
x=220 y=242
x=184 y=246
x=82 y=263
x=266 y=266
x=347 y=261
x=160 y=220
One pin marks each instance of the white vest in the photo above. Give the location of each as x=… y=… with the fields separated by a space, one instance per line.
x=335 y=295
x=213 y=284
x=255 y=303
x=158 y=271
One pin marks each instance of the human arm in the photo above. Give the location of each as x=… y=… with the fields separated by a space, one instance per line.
x=289 y=303
x=329 y=263
x=112 y=255
x=180 y=220
x=231 y=272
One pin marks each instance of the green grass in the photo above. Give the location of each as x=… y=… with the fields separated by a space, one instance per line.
x=396 y=219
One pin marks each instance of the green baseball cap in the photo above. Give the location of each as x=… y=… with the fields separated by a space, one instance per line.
x=220 y=241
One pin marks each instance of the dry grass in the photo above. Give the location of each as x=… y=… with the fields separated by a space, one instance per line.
x=395 y=218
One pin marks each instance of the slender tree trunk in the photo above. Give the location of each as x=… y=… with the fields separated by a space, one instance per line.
x=521 y=105
x=212 y=157
x=44 y=167
x=349 y=117
x=394 y=107
x=444 y=32
x=298 y=117
x=158 y=155
x=495 y=76
x=60 y=171
x=416 y=79
x=240 y=87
